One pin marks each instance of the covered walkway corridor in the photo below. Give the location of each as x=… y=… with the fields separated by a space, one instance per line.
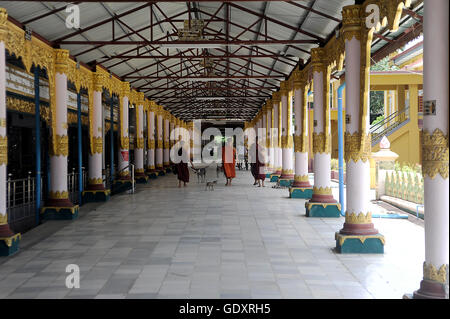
x=234 y=242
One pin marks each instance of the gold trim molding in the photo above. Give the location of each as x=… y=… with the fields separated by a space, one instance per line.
x=357 y=147
x=60 y=146
x=95 y=181
x=361 y=218
x=435 y=154
x=3 y=150
x=430 y=272
x=322 y=190
x=321 y=144
x=301 y=178
x=58 y=195
x=3 y=216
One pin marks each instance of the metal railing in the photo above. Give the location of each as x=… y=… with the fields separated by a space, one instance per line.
x=21 y=202
x=110 y=179
x=72 y=184
x=388 y=124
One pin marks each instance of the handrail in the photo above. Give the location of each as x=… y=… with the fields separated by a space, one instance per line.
x=391 y=122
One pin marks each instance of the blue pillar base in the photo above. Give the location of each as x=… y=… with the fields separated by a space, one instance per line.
x=96 y=195
x=59 y=213
x=274 y=177
x=152 y=175
x=141 y=179
x=323 y=209
x=299 y=192
x=285 y=182
x=268 y=175
x=161 y=172
x=10 y=245
x=352 y=244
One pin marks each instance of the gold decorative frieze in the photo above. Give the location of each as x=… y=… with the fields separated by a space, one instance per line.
x=430 y=272
x=95 y=181
x=61 y=60
x=151 y=144
x=58 y=195
x=124 y=142
x=98 y=145
x=3 y=150
x=139 y=142
x=287 y=141
x=435 y=154
x=140 y=171
x=287 y=172
x=357 y=146
x=300 y=143
x=361 y=218
x=3 y=26
x=301 y=178
x=321 y=144
x=322 y=190
x=352 y=22
x=60 y=146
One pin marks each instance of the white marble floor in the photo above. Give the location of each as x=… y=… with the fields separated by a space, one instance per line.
x=233 y=242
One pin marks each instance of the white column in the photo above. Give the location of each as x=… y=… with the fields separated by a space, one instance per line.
x=270 y=165
x=5 y=231
x=276 y=98
x=139 y=137
x=321 y=135
x=287 y=171
x=95 y=178
x=166 y=154
x=159 y=146
x=151 y=137
x=301 y=131
x=124 y=172
x=435 y=153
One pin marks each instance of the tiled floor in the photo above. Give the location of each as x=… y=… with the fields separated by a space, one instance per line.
x=234 y=242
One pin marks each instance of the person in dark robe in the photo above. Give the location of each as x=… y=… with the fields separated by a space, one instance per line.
x=229 y=165
x=182 y=167
x=259 y=167
x=252 y=157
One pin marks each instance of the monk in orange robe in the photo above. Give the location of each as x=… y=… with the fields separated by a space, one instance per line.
x=229 y=164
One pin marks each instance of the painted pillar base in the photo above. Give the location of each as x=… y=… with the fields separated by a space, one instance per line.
x=59 y=212
x=96 y=195
x=430 y=290
x=9 y=245
x=274 y=177
x=359 y=244
x=161 y=171
x=323 y=209
x=300 y=192
x=141 y=179
x=285 y=182
x=268 y=175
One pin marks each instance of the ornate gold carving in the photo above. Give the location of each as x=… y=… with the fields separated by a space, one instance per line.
x=98 y=82
x=3 y=26
x=362 y=239
x=357 y=146
x=95 y=181
x=300 y=143
x=2 y=122
x=9 y=240
x=430 y=272
x=160 y=143
x=124 y=142
x=151 y=144
x=287 y=172
x=139 y=142
x=98 y=145
x=276 y=97
x=3 y=150
x=321 y=144
x=301 y=178
x=352 y=22
x=322 y=190
x=61 y=146
x=435 y=154
x=361 y=218
x=140 y=171
x=287 y=141
x=58 y=195
x=61 y=60
x=391 y=12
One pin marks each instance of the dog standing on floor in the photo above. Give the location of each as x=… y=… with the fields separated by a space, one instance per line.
x=210 y=185
x=201 y=174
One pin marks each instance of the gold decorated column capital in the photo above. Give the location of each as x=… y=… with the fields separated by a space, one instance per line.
x=284 y=88
x=276 y=97
x=269 y=105
x=318 y=59
x=298 y=80
x=140 y=98
x=125 y=89
x=3 y=27
x=352 y=22
x=99 y=79
x=61 y=58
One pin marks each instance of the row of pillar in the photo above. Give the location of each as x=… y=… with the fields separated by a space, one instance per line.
x=358 y=234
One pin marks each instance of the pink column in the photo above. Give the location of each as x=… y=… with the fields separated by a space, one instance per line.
x=124 y=171
x=276 y=98
x=95 y=178
x=166 y=154
x=139 y=140
x=358 y=218
x=301 y=179
x=435 y=152
x=287 y=171
x=9 y=242
x=322 y=203
x=151 y=137
x=159 y=146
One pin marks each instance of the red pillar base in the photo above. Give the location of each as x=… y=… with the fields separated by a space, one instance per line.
x=431 y=290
